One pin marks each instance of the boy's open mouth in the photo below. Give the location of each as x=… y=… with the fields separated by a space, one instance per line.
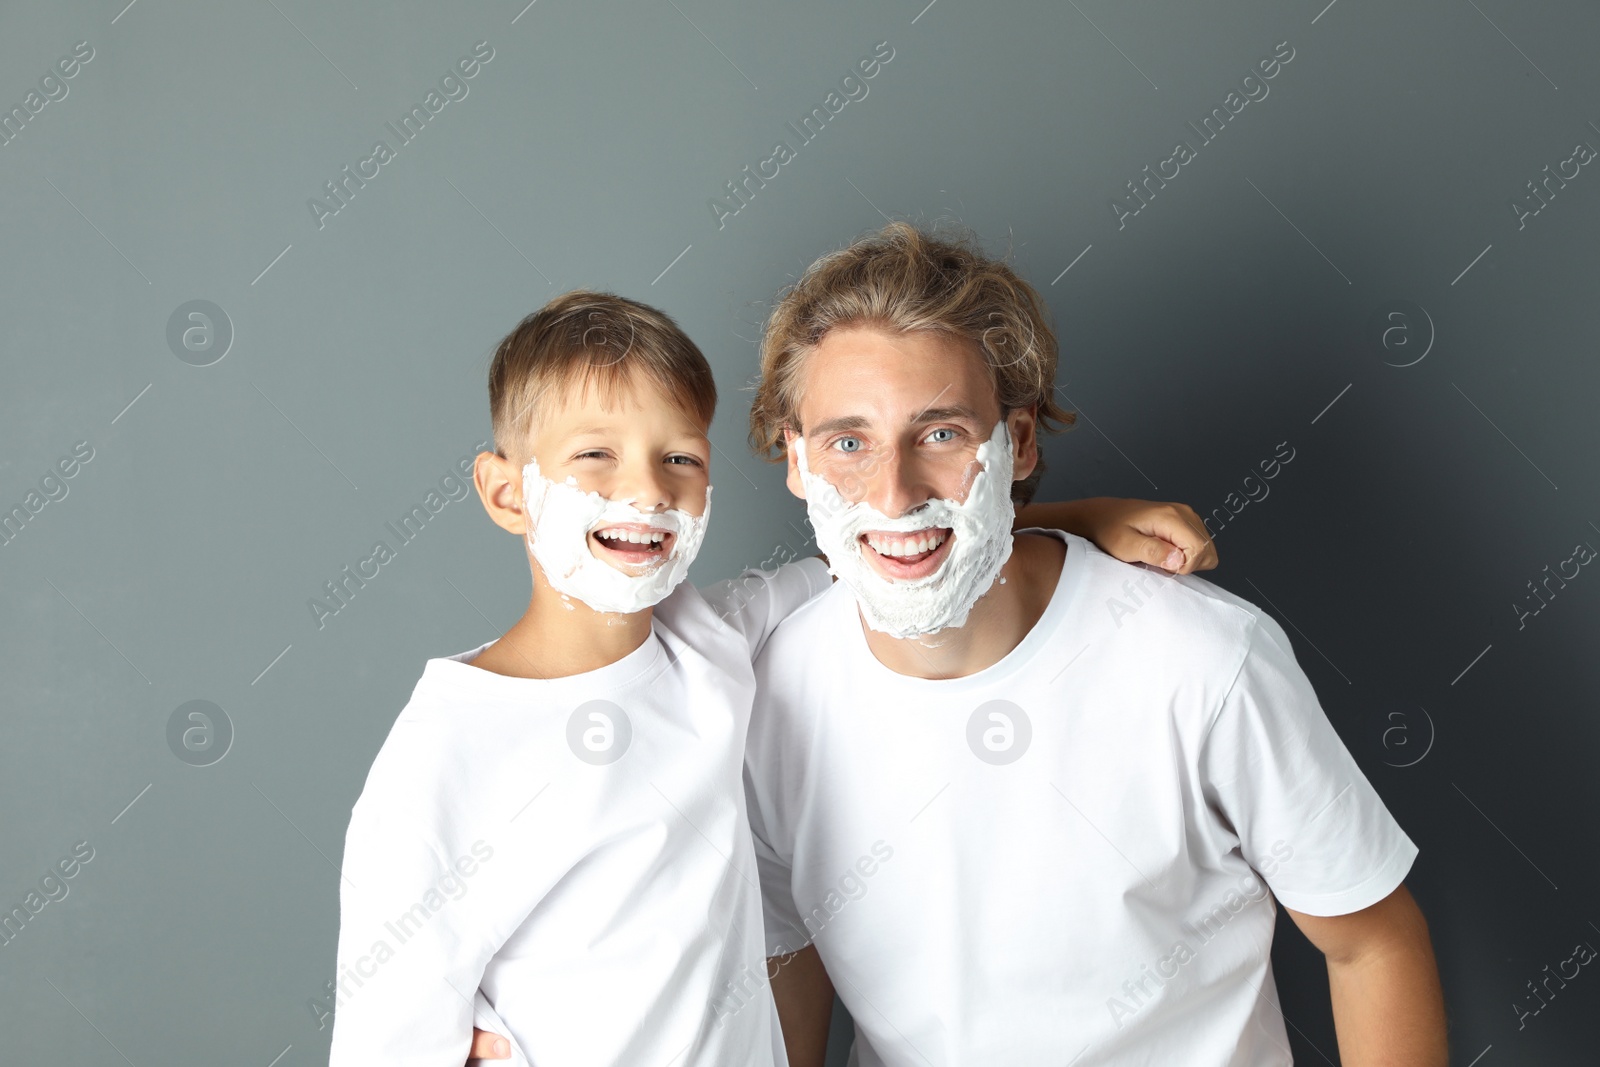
x=907 y=556
x=631 y=543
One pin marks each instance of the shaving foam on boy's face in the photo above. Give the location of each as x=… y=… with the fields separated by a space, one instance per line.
x=608 y=553
x=922 y=571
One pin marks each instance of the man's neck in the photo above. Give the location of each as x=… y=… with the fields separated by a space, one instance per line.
x=558 y=637
x=998 y=622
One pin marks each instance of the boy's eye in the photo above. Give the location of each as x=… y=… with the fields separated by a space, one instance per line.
x=591 y=454
x=848 y=444
x=949 y=435
x=682 y=460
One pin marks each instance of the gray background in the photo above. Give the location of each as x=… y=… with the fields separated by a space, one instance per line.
x=1246 y=305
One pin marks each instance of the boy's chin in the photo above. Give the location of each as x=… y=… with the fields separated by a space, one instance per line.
x=635 y=564
x=636 y=570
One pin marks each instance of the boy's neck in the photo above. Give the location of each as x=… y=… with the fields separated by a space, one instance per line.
x=559 y=636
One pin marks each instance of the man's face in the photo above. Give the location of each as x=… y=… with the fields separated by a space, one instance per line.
x=896 y=420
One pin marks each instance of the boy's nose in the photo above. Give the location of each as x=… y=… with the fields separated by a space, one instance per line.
x=646 y=485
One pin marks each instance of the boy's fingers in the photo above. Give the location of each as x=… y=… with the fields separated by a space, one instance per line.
x=1179 y=546
x=1189 y=535
x=487 y=1046
x=1163 y=554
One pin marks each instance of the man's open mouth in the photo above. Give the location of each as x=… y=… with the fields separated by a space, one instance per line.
x=907 y=556
x=631 y=544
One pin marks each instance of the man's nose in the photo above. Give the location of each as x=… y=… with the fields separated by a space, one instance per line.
x=898 y=483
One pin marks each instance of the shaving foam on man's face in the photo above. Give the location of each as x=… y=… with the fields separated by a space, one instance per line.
x=608 y=553
x=928 y=567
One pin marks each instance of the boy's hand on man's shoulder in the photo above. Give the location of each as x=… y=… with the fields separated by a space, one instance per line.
x=1168 y=535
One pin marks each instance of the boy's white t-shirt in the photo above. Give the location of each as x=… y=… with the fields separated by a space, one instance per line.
x=568 y=861
x=1094 y=896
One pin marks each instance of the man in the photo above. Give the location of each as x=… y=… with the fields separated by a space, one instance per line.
x=1013 y=799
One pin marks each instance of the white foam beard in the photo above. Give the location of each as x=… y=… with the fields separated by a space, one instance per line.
x=981 y=526
x=560 y=518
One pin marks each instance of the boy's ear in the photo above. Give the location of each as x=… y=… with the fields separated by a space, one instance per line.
x=499 y=484
x=792 y=478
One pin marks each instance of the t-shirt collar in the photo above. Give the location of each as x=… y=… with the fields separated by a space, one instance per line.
x=1045 y=636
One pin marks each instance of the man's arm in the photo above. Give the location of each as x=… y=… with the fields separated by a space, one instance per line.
x=1388 y=1008
x=804 y=994
x=1166 y=535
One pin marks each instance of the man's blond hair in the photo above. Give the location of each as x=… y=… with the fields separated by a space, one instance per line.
x=905 y=280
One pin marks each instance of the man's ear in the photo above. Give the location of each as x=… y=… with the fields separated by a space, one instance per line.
x=791 y=441
x=1023 y=426
x=499 y=484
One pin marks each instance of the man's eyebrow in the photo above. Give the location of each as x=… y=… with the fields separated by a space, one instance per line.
x=951 y=413
x=834 y=425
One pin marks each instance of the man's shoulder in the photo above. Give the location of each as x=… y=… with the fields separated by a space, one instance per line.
x=804 y=661
x=808 y=631
x=1170 y=611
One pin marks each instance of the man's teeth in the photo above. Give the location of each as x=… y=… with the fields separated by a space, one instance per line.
x=912 y=547
x=654 y=537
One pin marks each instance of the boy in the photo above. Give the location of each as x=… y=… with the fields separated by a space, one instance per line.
x=552 y=842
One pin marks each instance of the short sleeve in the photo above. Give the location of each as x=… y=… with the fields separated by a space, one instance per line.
x=1274 y=770
x=757 y=601
x=786 y=933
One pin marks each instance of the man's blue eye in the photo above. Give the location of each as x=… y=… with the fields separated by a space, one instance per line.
x=849 y=444
x=946 y=430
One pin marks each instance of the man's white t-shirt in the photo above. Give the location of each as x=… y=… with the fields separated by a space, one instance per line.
x=1052 y=858
x=568 y=861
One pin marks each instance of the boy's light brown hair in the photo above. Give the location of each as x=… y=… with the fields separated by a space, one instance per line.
x=904 y=280
x=593 y=340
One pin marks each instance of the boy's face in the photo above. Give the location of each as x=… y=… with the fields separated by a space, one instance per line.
x=636 y=444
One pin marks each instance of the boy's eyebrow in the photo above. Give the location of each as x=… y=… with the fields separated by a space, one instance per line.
x=602 y=431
